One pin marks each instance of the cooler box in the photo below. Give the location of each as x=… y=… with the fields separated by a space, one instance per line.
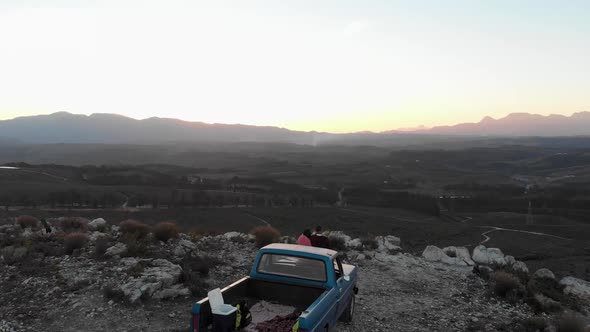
x=224 y=315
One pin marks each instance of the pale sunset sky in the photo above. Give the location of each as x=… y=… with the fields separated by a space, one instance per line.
x=336 y=66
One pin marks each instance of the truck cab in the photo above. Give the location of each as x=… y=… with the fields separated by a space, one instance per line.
x=313 y=281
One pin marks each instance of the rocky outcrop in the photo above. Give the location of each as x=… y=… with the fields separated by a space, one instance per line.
x=97 y=224
x=158 y=279
x=488 y=256
x=116 y=250
x=460 y=255
x=388 y=243
x=576 y=287
x=184 y=247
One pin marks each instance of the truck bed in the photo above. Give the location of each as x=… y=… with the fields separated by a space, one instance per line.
x=296 y=296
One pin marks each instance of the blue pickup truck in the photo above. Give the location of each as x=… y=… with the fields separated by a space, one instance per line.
x=313 y=281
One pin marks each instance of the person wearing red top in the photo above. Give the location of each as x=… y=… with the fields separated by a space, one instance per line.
x=304 y=239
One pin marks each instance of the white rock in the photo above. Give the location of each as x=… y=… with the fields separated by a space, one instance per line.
x=231 y=235
x=388 y=243
x=543 y=273
x=361 y=257
x=577 y=287
x=489 y=256
x=354 y=244
x=116 y=250
x=459 y=252
x=509 y=260
x=339 y=234
x=172 y=292
x=97 y=223
x=435 y=254
x=521 y=267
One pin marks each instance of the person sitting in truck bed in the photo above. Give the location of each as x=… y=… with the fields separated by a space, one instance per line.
x=304 y=239
x=319 y=240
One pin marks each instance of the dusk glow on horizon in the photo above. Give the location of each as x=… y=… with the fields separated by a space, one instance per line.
x=304 y=65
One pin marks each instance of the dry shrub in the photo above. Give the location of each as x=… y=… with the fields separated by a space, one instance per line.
x=165 y=230
x=265 y=235
x=74 y=224
x=571 y=323
x=74 y=241
x=195 y=271
x=506 y=284
x=138 y=248
x=26 y=221
x=134 y=229
x=101 y=245
x=533 y=324
x=337 y=243
x=370 y=244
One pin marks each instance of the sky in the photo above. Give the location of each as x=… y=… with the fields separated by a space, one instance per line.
x=336 y=66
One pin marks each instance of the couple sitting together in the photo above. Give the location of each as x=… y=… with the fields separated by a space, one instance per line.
x=317 y=239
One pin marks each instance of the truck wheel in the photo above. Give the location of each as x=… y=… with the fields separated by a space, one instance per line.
x=349 y=311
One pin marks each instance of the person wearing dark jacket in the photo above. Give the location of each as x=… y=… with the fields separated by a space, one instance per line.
x=319 y=240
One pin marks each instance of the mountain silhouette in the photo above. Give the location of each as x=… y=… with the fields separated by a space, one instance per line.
x=63 y=127
x=521 y=124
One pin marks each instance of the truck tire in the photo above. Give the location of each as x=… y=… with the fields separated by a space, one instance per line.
x=349 y=311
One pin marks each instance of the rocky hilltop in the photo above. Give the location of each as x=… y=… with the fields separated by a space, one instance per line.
x=72 y=274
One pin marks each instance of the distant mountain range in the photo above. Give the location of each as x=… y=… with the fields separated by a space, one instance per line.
x=65 y=127
x=521 y=124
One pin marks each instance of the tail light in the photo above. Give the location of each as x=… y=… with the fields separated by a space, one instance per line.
x=195 y=322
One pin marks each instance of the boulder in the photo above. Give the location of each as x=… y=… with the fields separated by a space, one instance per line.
x=97 y=223
x=484 y=271
x=520 y=267
x=157 y=276
x=172 y=292
x=510 y=260
x=339 y=235
x=459 y=252
x=116 y=250
x=576 y=287
x=388 y=243
x=354 y=244
x=543 y=273
x=184 y=247
x=435 y=254
x=488 y=256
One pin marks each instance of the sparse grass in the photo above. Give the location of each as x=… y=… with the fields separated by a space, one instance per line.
x=134 y=229
x=337 y=243
x=26 y=221
x=570 y=323
x=74 y=224
x=265 y=235
x=74 y=241
x=506 y=285
x=165 y=230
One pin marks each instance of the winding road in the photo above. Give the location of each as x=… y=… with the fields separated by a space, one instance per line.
x=494 y=229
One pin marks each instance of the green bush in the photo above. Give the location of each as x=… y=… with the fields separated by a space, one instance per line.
x=265 y=235
x=165 y=230
x=101 y=245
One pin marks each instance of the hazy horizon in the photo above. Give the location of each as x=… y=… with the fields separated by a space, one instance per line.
x=305 y=65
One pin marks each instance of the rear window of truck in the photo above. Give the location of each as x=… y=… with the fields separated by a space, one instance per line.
x=292 y=266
